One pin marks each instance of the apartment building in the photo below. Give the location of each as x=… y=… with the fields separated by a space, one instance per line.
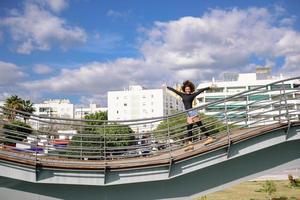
x=137 y=102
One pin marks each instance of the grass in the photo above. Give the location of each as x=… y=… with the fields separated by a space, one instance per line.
x=251 y=191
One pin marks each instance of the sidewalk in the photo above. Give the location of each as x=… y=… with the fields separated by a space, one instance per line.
x=280 y=175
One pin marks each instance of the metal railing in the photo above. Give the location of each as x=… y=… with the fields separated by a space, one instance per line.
x=71 y=141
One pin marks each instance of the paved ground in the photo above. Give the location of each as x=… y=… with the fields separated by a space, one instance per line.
x=281 y=175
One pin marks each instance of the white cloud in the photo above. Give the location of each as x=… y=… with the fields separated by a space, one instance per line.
x=42 y=69
x=219 y=40
x=54 y=5
x=196 y=48
x=118 y=14
x=289 y=21
x=4 y=95
x=279 y=10
x=289 y=43
x=98 y=78
x=102 y=43
x=35 y=28
x=10 y=74
x=93 y=98
x=292 y=65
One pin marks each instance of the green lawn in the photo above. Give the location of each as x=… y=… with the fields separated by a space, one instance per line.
x=250 y=191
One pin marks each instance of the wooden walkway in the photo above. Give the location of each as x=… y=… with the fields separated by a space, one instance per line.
x=161 y=158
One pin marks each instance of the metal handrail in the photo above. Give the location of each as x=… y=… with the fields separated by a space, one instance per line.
x=105 y=140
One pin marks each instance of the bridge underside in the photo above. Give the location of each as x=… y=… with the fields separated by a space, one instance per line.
x=188 y=178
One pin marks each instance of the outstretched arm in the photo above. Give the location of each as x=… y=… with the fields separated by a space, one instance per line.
x=173 y=90
x=201 y=90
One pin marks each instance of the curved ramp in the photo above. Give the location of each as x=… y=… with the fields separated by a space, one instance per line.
x=197 y=175
x=251 y=140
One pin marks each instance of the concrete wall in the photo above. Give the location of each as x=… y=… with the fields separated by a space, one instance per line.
x=255 y=160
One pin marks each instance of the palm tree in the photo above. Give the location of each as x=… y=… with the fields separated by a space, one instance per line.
x=13 y=102
x=27 y=106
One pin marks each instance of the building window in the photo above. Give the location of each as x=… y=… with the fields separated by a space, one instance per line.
x=44 y=109
x=117 y=112
x=236 y=89
x=215 y=90
x=256 y=86
x=259 y=97
x=280 y=87
x=125 y=104
x=239 y=99
x=213 y=98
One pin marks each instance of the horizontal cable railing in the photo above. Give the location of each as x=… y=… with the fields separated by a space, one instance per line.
x=37 y=138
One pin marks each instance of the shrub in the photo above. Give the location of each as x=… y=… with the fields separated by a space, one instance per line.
x=15 y=131
x=269 y=187
x=293 y=182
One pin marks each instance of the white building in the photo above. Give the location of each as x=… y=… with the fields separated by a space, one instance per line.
x=57 y=108
x=138 y=103
x=62 y=108
x=2 y=105
x=66 y=134
x=234 y=83
x=81 y=112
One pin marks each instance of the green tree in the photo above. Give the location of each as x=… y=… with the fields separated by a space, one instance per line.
x=96 y=116
x=95 y=138
x=15 y=131
x=174 y=124
x=13 y=102
x=178 y=124
x=27 y=106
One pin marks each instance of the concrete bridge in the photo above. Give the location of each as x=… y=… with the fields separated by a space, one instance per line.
x=99 y=162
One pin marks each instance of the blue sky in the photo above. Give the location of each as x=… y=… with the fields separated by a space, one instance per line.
x=80 y=49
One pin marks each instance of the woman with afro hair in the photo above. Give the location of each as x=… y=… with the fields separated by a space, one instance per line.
x=188 y=95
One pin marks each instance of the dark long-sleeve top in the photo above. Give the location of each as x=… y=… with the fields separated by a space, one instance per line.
x=188 y=99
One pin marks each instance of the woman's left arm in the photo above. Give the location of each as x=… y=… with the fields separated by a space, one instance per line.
x=201 y=90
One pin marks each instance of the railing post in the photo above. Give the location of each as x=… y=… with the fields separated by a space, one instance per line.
x=247 y=111
x=170 y=150
x=280 y=121
x=287 y=115
x=81 y=156
x=36 y=144
x=104 y=145
x=168 y=135
x=227 y=127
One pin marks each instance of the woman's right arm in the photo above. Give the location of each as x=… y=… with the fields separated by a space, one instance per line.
x=173 y=90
